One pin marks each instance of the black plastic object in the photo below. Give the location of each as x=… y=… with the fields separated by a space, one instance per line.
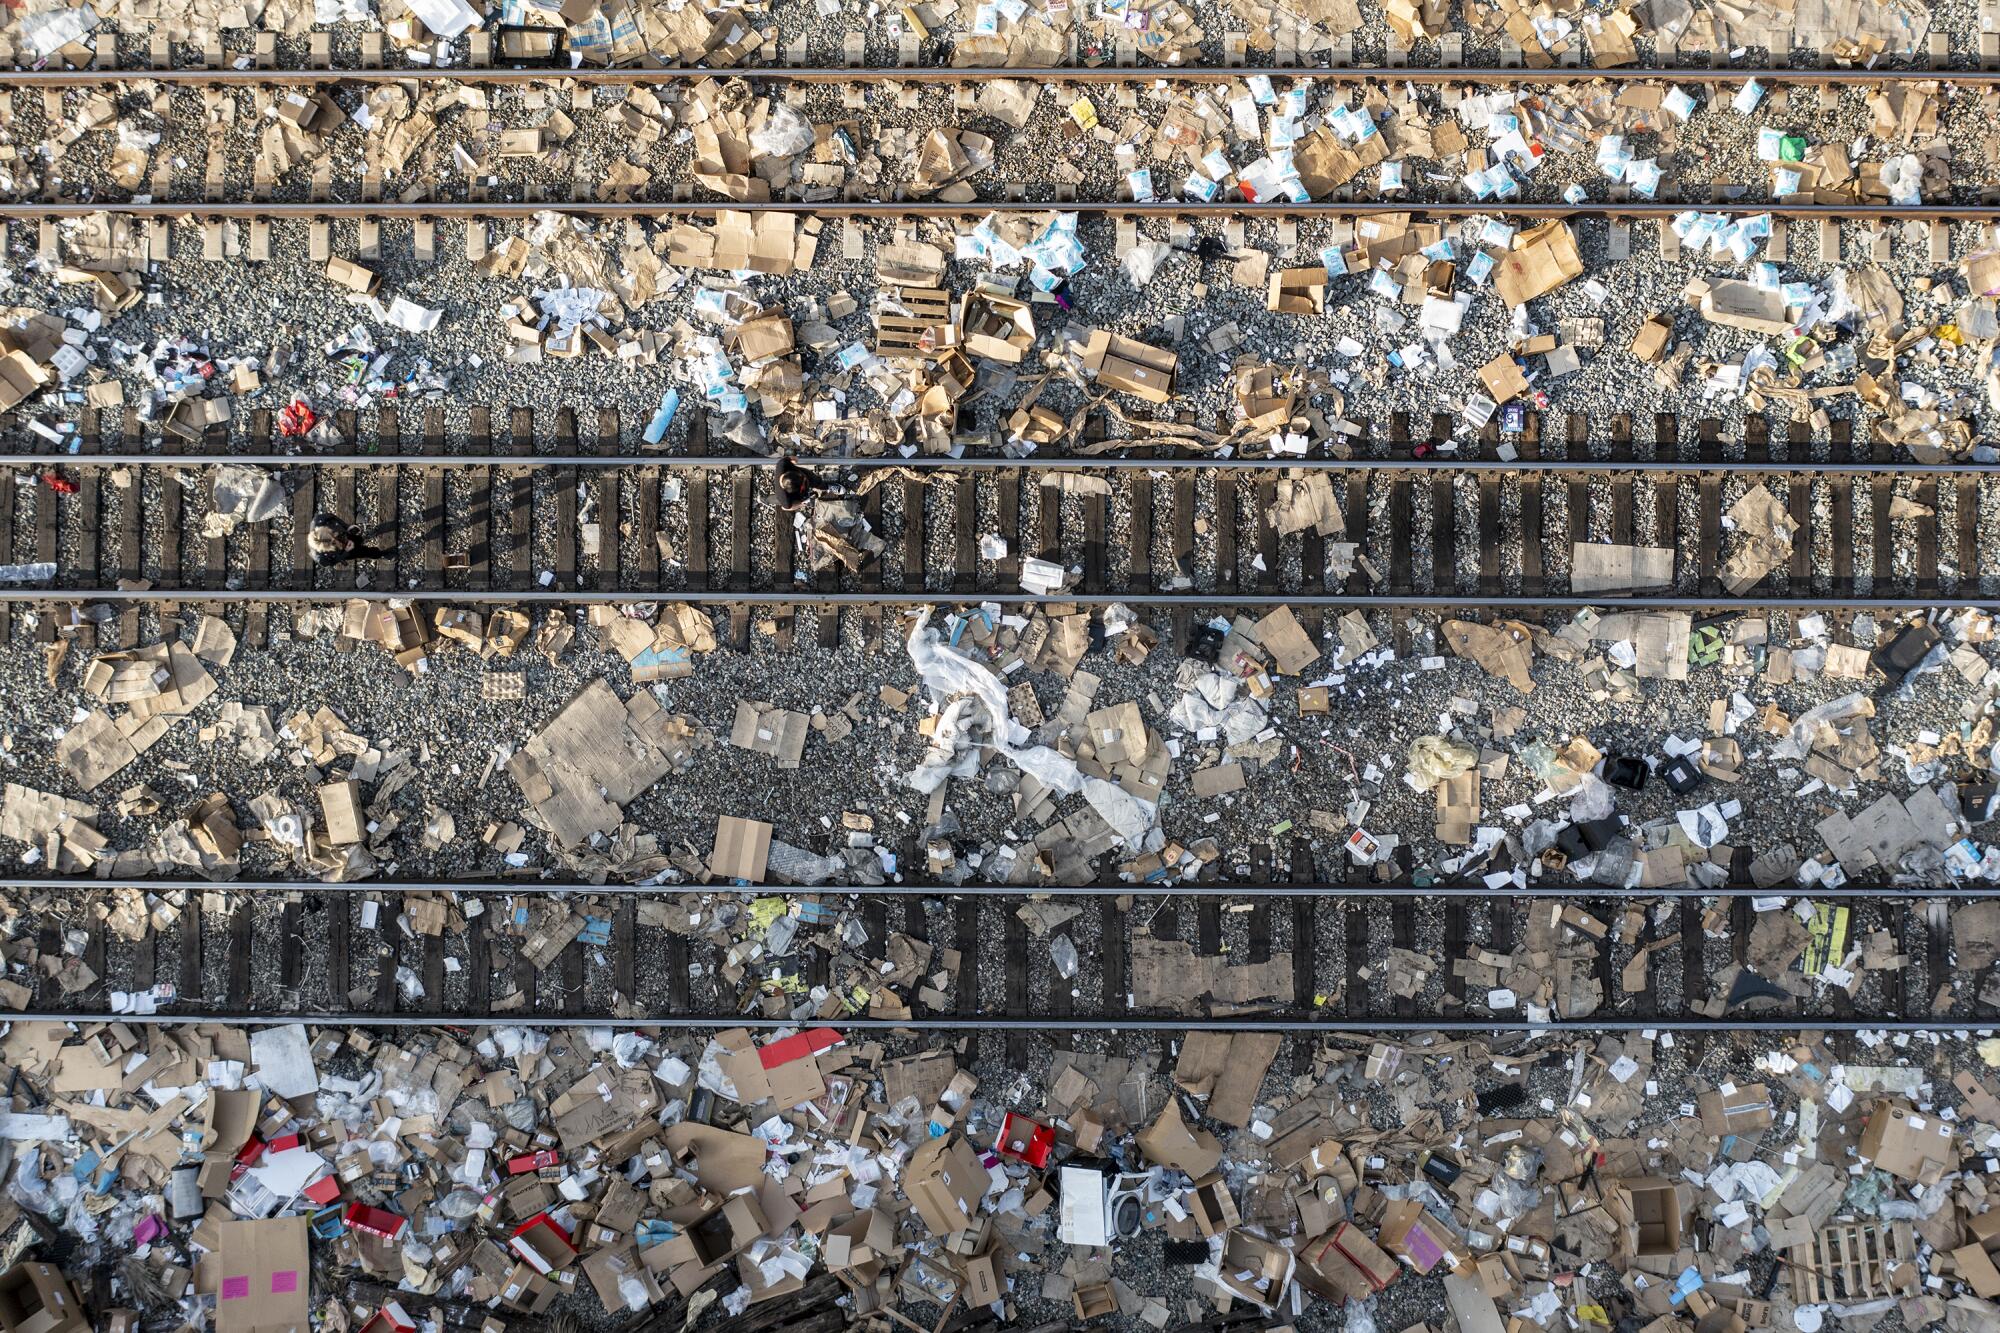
x=1206 y=645
x=1502 y=1098
x=1750 y=986
x=1902 y=654
x=1440 y=1168
x=1627 y=771
x=1682 y=774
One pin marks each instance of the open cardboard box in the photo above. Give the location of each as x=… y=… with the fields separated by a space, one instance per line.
x=994 y=326
x=1655 y=1228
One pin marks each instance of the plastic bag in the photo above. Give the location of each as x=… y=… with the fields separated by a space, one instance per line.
x=1142 y=261
x=784 y=133
x=1433 y=759
x=1063 y=954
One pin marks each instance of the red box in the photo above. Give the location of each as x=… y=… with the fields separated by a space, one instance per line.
x=376 y=1221
x=532 y=1161
x=542 y=1244
x=1025 y=1140
x=391 y=1318
x=323 y=1191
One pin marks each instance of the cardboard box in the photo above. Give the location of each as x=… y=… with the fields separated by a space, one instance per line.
x=20 y=376
x=353 y=276
x=985 y=1282
x=262 y=1278
x=1906 y=1144
x=944 y=1182
x=996 y=327
x=391 y=1318
x=1345 y=1265
x=856 y=1250
x=1130 y=365
x=1649 y=344
x=1745 y=305
x=1210 y=1205
x=543 y=1244
x=742 y=849
x=340 y=804
x=1410 y=1232
x=1257 y=1269
x=1502 y=379
x=1543 y=259
x=1092 y=1301
x=37 y=1297
x=729 y=1231
x=1297 y=291
x=1656 y=1222
x=1975 y=1266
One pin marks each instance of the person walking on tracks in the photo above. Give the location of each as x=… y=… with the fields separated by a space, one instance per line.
x=333 y=540
x=797 y=486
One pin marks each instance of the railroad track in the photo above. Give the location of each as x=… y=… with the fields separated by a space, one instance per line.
x=515 y=526
x=1303 y=960
x=257 y=74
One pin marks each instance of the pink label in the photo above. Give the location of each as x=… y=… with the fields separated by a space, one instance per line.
x=1423 y=1249
x=235 y=1288
x=285 y=1281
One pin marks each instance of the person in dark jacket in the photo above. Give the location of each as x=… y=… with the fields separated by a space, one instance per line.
x=334 y=540
x=796 y=486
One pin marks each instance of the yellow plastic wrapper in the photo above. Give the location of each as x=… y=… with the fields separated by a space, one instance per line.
x=1433 y=759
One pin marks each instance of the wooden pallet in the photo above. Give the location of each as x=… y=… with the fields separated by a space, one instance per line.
x=1850 y=1261
x=900 y=337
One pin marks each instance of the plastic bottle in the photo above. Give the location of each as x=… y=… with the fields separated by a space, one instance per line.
x=656 y=429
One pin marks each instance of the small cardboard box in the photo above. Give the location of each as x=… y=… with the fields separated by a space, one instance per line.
x=1257 y=1269
x=1656 y=1225
x=1408 y=1231
x=1095 y=1300
x=996 y=327
x=37 y=1298
x=1346 y=1264
x=985 y=1283
x=945 y=1182
x=1502 y=379
x=1649 y=344
x=1975 y=1266
x=723 y=1235
x=543 y=1244
x=1297 y=291
x=1211 y=1205
x=340 y=804
x=527 y=1291
x=20 y=375
x=1132 y=366
x=353 y=276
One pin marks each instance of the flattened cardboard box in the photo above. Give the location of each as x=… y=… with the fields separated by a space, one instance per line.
x=262 y=1277
x=1734 y=1110
x=742 y=849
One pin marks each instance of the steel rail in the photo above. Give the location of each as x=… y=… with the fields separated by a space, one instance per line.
x=1345 y=892
x=807 y=597
x=293 y=210
x=537 y=74
x=989 y=463
x=1299 y=1027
